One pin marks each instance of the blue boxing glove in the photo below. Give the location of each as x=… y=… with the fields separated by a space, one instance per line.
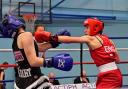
x=54 y=39
x=61 y=61
x=63 y=32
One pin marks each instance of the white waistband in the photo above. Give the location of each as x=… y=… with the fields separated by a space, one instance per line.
x=107 y=67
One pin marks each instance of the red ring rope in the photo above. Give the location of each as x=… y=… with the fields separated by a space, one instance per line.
x=75 y=63
x=8 y=65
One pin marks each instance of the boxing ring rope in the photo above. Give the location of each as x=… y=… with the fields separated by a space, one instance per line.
x=8 y=65
x=74 y=63
x=10 y=50
x=63 y=77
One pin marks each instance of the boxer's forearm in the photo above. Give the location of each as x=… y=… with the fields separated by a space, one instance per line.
x=44 y=46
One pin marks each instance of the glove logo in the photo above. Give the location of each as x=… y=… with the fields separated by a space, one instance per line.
x=61 y=63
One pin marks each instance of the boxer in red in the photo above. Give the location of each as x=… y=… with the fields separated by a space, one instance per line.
x=102 y=51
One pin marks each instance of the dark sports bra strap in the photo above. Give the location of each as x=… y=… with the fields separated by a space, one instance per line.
x=99 y=40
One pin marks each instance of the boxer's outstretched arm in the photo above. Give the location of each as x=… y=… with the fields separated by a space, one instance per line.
x=69 y=39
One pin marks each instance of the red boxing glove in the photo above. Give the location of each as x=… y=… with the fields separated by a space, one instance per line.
x=42 y=36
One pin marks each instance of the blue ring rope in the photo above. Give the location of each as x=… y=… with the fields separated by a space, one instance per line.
x=62 y=77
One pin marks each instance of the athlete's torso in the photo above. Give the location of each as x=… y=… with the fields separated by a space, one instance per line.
x=104 y=54
x=24 y=72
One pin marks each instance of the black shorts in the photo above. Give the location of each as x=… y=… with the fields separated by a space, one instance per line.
x=32 y=83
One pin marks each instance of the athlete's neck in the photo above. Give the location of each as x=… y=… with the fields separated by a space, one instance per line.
x=21 y=30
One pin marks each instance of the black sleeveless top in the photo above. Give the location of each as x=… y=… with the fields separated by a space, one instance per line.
x=24 y=73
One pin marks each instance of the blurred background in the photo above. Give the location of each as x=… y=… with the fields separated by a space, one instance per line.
x=69 y=14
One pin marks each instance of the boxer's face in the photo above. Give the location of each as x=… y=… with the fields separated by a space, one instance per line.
x=87 y=30
x=40 y=28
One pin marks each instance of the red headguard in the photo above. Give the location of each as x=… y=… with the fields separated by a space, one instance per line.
x=95 y=25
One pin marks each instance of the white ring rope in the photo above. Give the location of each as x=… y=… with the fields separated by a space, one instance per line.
x=10 y=50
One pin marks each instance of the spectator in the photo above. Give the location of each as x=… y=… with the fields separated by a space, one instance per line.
x=2 y=75
x=52 y=79
x=81 y=79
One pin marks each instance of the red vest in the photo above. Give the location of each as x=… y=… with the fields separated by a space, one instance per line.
x=104 y=54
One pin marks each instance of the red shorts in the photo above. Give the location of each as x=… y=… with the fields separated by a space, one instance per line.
x=109 y=80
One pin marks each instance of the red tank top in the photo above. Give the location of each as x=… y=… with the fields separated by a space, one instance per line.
x=104 y=54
